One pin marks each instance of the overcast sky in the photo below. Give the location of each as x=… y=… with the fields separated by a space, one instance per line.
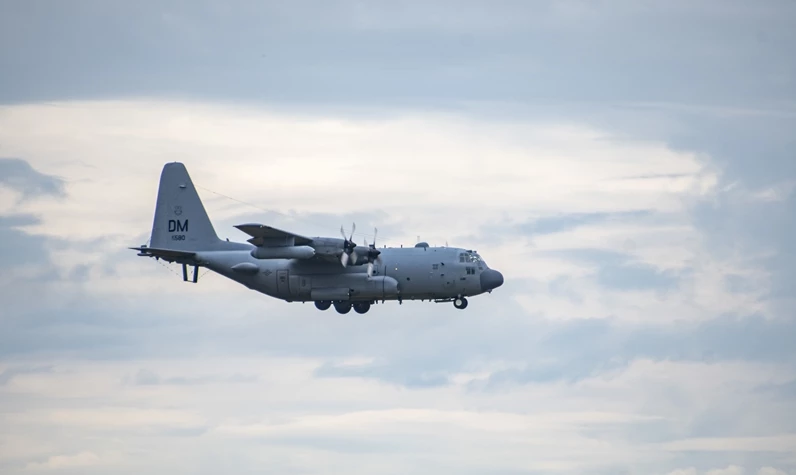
x=629 y=166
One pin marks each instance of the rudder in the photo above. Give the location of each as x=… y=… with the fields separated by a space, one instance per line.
x=181 y=222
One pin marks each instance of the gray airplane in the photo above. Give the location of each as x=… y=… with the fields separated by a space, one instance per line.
x=294 y=268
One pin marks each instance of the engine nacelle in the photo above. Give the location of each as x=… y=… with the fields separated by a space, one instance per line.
x=284 y=252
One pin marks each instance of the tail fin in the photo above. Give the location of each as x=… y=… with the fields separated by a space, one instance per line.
x=181 y=222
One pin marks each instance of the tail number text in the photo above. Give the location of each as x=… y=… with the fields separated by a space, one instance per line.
x=178 y=226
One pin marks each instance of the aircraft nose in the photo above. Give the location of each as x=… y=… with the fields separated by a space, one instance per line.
x=491 y=279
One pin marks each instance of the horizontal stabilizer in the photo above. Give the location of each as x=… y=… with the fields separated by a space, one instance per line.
x=167 y=254
x=266 y=236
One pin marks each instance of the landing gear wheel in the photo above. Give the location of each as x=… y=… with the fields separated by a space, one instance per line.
x=361 y=307
x=342 y=307
x=460 y=303
x=323 y=304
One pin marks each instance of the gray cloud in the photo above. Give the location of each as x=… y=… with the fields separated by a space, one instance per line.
x=618 y=271
x=18 y=175
x=20 y=248
x=568 y=222
x=572 y=351
x=752 y=150
x=347 y=52
x=715 y=78
x=748 y=227
x=9 y=374
x=785 y=391
x=723 y=94
x=145 y=377
x=406 y=373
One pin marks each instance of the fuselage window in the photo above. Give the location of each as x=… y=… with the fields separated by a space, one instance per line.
x=435 y=266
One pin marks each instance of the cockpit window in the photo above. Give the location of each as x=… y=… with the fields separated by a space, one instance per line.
x=469 y=257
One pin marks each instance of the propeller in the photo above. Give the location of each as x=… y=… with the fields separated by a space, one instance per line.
x=348 y=246
x=373 y=254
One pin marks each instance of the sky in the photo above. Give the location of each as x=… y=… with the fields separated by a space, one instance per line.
x=629 y=166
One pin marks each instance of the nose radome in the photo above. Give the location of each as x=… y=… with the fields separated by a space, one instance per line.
x=491 y=279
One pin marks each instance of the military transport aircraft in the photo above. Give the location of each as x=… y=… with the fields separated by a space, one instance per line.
x=327 y=271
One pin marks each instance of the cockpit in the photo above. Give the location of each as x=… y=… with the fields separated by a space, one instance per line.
x=488 y=279
x=471 y=259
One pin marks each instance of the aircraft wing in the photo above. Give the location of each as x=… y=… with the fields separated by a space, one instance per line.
x=265 y=236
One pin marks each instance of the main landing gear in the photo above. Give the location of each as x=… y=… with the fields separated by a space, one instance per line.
x=460 y=303
x=362 y=307
x=343 y=307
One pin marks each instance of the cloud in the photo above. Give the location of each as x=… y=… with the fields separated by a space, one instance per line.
x=60 y=462
x=568 y=352
x=148 y=378
x=542 y=157
x=559 y=223
x=417 y=53
x=770 y=471
x=616 y=270
x=731 y=470
x=19 y=176
x=542 y=428
x=786 y=390
x=783 y=443
x=402 y=373
x=642 y=192
x=761 y=230
x=684 y=471
x=9 y=373
x=21 y=248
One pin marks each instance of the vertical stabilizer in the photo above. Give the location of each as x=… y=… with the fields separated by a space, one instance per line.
x=181 y=222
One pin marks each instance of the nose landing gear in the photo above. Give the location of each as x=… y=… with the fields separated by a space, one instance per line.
x=460 y=303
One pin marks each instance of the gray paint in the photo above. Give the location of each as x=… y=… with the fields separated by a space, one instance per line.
x=182 y=232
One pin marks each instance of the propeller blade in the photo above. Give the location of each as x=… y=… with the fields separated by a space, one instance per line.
x=353 y=229
x=353 y=257
x=342 y=233
x=370 y=270
x=344 y=259
x=375 y=233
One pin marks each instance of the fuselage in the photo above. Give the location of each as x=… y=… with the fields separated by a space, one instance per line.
x=413 y=273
